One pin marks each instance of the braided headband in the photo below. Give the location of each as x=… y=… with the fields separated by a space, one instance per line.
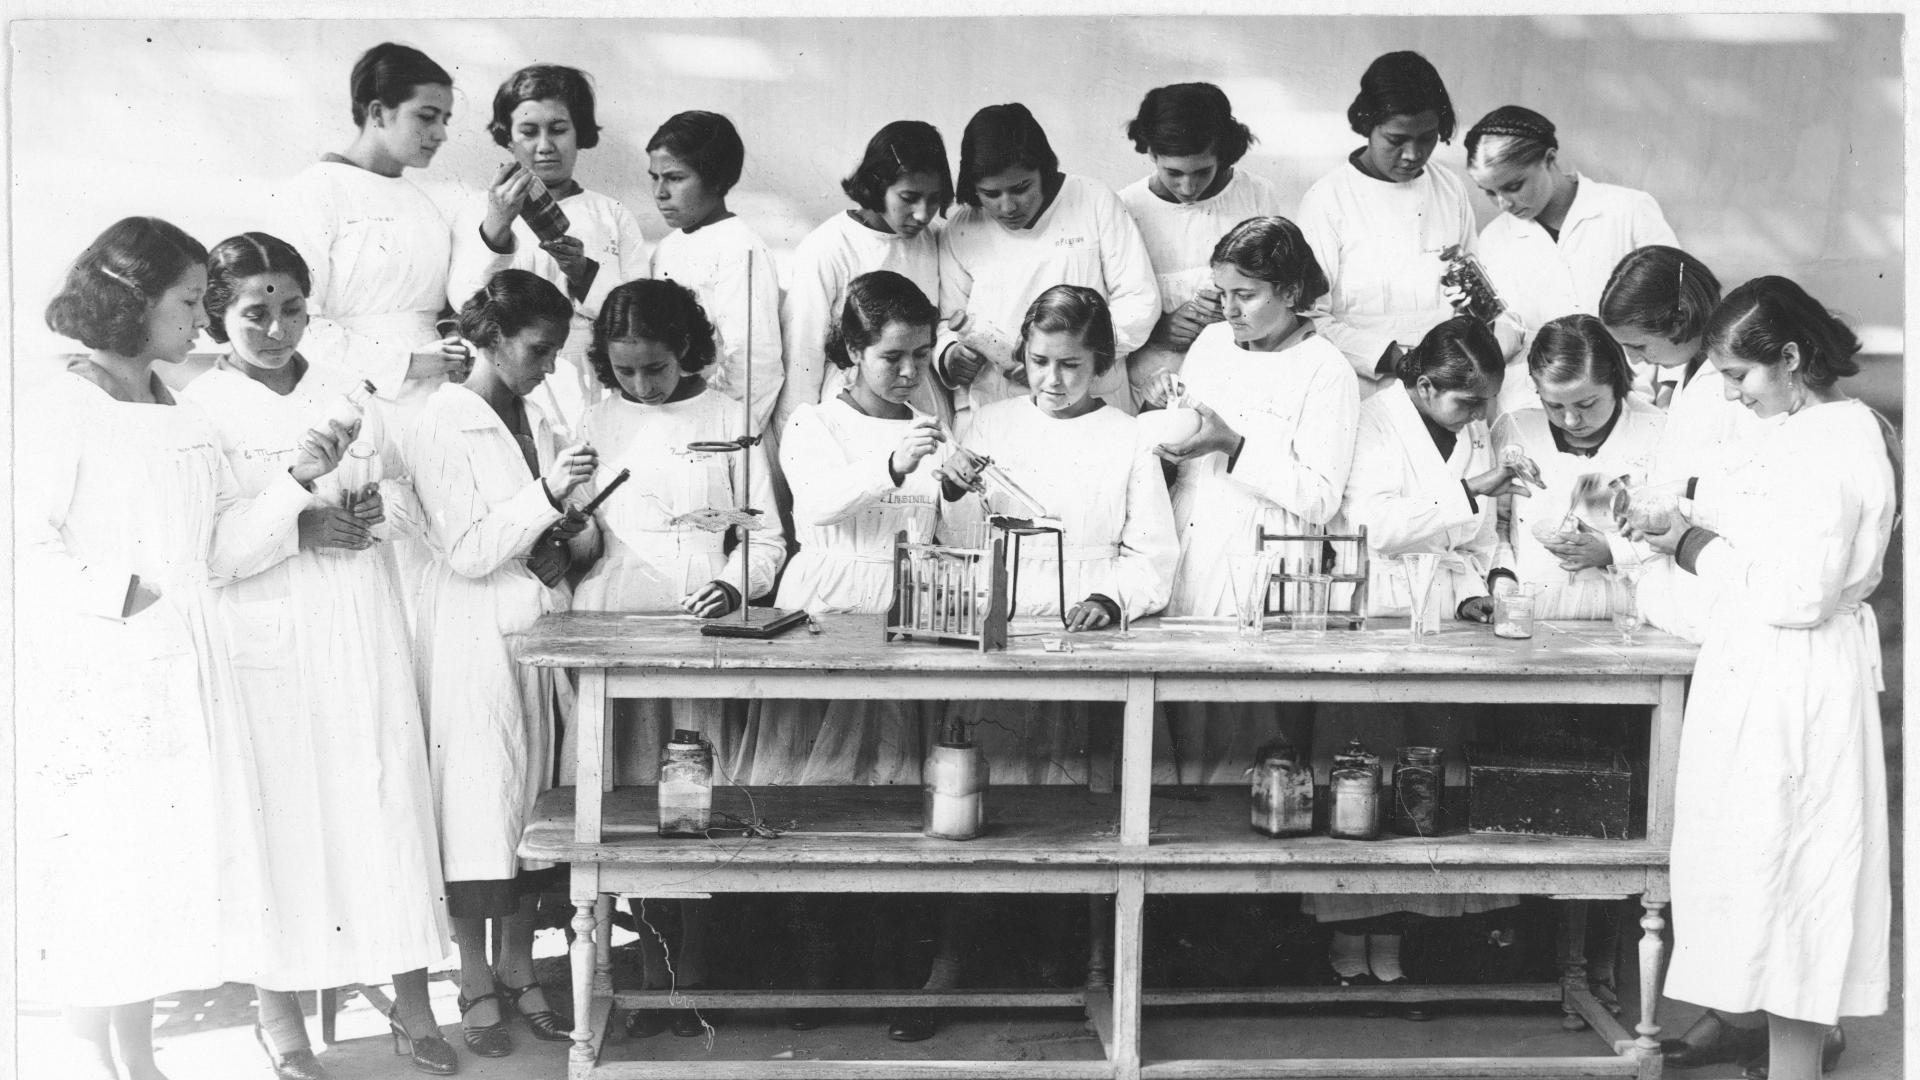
x=1521 y=130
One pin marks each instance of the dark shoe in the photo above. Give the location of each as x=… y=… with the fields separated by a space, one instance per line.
x=802 y=1019
x=911 y=1027
x=645 y=1023
x=428 y=1053
x=1830 y=1051
x=1372 y=1010
x=687 y=1024
x=546 y=1024
x=294 y=1064
x=489 y=1041
x=1729 y=1043
x=1419 y=1012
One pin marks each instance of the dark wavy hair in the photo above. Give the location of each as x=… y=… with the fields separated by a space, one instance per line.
x=874 y=300
x=899 y=149
x=1758 y=320
x=508 y=303
x=707 y=143
x=1273 y=249
x=238 y=258
x=1660 y=290
x=1529 y=137
x=1186 y=119
x=1400 y=84
x=1459 y=354
x=546 y=82
x=388 y=73
x=998 y=138
x=1071 y=309
x=1574 y=347
x=111 y=288
x=652 y=309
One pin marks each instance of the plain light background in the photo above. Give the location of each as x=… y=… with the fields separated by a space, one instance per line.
x=1773 y=143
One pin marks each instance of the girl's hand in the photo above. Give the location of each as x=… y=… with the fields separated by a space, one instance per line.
x=1206 y=305
x=1088 y=615
x=1668 y=541
x=963 y=363
x=1506 y=478
x=320 y=451
x=571 y=254
x=330 y=526
x=368 y=506
x=1587 y=550
x=571 y=468
x=448 y=357
x=505 y=196
x=1477 y=609
x=1164 y=388
x=962 y=469
x=712 y=601
x=921 y=439
x=1215 y=436
x=1180 y=326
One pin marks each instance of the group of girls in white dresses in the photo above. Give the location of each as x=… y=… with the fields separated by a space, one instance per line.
x=320 y=650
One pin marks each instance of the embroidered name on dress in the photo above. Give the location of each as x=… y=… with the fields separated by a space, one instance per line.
x=1071 y=242
x=895 y=498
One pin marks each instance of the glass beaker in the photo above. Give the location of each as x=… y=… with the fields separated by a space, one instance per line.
x=1250 y=573
x=1314 y=593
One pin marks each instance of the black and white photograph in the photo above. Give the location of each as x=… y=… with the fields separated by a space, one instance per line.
x=1038 y=542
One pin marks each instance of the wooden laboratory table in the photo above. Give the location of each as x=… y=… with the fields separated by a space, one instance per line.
x=1120 y=839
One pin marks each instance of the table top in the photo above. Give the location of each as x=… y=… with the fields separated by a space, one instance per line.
x=594 y=639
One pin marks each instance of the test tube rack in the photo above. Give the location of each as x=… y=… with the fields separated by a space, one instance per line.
x=1342 y=556
x=949 y=594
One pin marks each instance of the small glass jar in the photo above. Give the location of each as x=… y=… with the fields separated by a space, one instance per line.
x=1513 y=614
x=1354 y=794
x=954 y=798
x=1282 y=791
x=686 y=785
x=1419 y=782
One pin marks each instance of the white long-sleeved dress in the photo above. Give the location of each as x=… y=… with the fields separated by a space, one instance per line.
x=1780 y=839
x=1297 y=408
x=1379 y=244
x=132 y=758
x=1542 y=278
x=1410 y=500
x=1628 y=452
x=1180 y=238
x=712 y=261
x=1118 y=541
x=490 y=719
x=847 y=511
x=609 y=234
x=325 y=676
x=653 y=556
x=1086 y=237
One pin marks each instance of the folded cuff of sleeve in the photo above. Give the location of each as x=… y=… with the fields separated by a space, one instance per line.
x=1112 y=609
x=1691 y=543
x=733 y=597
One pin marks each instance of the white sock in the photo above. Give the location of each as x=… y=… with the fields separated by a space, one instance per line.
x=1348 y=955
x=1383 y=956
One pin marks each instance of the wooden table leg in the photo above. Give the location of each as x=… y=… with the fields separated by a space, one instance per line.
x=1573 y=959
x=580 y=1059
x=1129 y=964
x=603 y=945
x=1100 y=942
x=1651 y=950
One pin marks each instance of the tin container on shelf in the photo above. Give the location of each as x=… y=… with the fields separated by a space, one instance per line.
x=1354 y=794
x=686 y=785
x=1553 y=792
x=955 y=801
x=1282 y=791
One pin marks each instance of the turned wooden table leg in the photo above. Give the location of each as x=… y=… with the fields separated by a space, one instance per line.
x=1573 y=960
x=603 y=944
x=581 y=953
x=1652 y=949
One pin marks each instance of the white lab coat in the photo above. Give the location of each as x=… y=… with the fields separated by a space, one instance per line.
x=1542 y=279
x=1780 y=840
x=1086 y=237
x=325 y=675
x=745 y=311
x=824 y=265
x=1379 y=244
x=1628 y=451
x=134 y=766
x=1410 y=500
x=1180 y=238
x=1118 y=539
x=489 y=718
x=610 y=235
x=847 y=512
x=1298 y=409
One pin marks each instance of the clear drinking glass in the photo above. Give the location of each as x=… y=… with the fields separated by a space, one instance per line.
x=1250 y=574
x=1419 y=568
x=1313 y=593
x=1624 y=601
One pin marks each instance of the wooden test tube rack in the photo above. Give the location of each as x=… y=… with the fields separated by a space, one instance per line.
x=955 y=595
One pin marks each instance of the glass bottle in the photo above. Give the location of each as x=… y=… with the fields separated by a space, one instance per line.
x=1282 y=791
x=1354 y=795
x=686 y=785
x=351 y=406
x=1418 y=783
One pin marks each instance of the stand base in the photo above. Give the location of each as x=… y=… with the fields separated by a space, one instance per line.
x=767 y=623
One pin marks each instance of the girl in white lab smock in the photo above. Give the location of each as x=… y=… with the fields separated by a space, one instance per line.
x=1023 y=227
x=544 y=116
x=693 y=161
x=1379 y=222
x=490 y=473
x=1277 y=410
x=900 y=189
x=377 y=244
x=861 y=465
x=1559 y=234
x=134 y=764
x=1588 y=423
x=1780 y=839
x=1195 y=193
x=1424 y=479
x=1656 y=306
